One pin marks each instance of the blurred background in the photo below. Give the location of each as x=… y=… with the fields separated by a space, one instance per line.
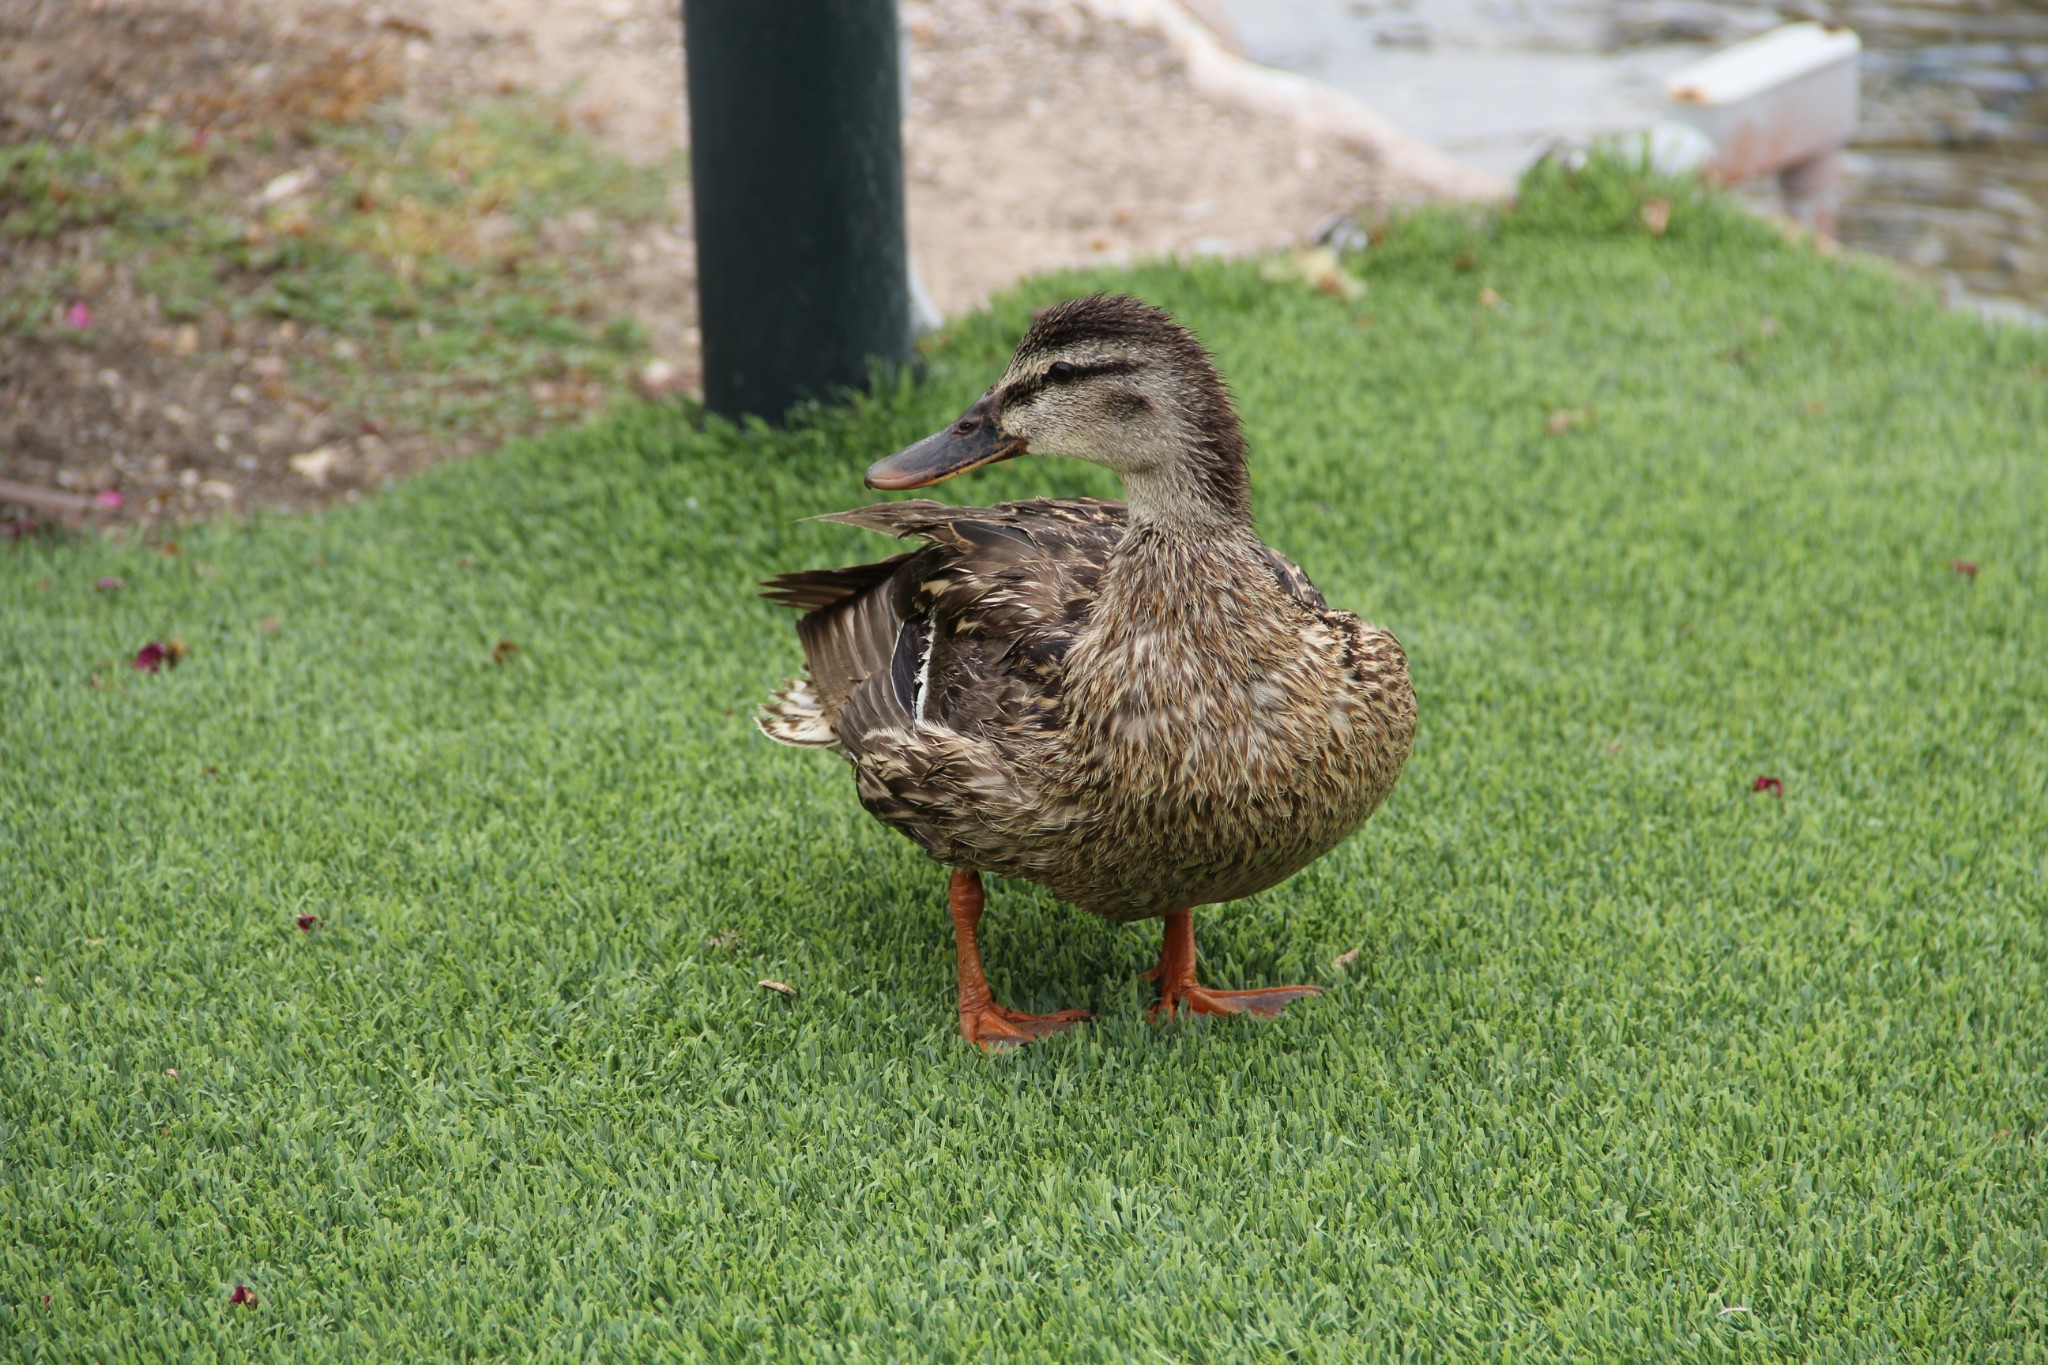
x=1948 y=172
x=278 y=254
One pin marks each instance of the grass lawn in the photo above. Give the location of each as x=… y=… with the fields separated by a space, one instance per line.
x=1634 y=1062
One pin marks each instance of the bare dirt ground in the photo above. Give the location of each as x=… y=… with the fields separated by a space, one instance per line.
x=1108 y=152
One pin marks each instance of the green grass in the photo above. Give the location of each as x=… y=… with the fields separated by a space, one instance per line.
x=1635 y=1064
x=47 y=188
x=463 y=313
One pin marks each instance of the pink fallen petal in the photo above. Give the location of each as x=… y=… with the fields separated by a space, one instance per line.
x=110 y=497
x=78 y=315
x=110 y=584
x=151 y=657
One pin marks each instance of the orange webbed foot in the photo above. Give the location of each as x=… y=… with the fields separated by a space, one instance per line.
x=1178 y=989
x=982 y=1020
x=994 y=1028
x=1263 y=1003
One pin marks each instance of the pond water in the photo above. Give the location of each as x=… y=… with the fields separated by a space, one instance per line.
x=1948 y=172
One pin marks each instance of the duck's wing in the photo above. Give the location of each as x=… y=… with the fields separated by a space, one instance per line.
x=1294 y=582
x=969 y=633
x=848 y=629
x=1371 y=657
x=935 y=671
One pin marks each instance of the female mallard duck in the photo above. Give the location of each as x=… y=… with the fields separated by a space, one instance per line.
x=1136 y=705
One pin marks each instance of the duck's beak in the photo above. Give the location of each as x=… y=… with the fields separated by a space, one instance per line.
x=973 y=441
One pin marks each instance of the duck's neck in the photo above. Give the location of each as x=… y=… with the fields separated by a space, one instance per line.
x=1203 y=493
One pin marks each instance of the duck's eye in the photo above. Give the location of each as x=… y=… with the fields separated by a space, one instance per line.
x=1061 y=370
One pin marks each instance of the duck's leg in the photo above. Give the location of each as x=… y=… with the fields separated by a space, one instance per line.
x=982 y=1020
x=1176 y=977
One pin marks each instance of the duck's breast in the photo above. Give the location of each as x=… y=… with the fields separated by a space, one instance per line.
x=1218 y=736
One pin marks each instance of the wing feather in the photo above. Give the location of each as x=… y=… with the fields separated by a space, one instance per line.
x=968 y=634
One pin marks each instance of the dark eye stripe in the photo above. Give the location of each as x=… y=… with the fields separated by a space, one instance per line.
x=1066 y=372
x=1094 y=368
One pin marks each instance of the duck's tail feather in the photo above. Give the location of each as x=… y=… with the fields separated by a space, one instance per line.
x=793 y=714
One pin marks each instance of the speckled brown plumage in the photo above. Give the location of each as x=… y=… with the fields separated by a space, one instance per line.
x=1141 y=708
x=1135 y=749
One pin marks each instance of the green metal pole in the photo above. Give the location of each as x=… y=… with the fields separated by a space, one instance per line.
x=796 y=148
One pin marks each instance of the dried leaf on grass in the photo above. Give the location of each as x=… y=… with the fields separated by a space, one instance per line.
x=1563 y=420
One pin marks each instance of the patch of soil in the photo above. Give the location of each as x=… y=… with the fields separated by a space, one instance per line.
x=192 y=416
x=72 y=68
x=187 y=415
x=1039 y=136
x=186 y=419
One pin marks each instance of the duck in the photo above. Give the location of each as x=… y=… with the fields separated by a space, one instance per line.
x=1136 y=704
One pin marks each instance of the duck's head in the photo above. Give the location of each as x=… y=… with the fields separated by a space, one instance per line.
x=1113 y=381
